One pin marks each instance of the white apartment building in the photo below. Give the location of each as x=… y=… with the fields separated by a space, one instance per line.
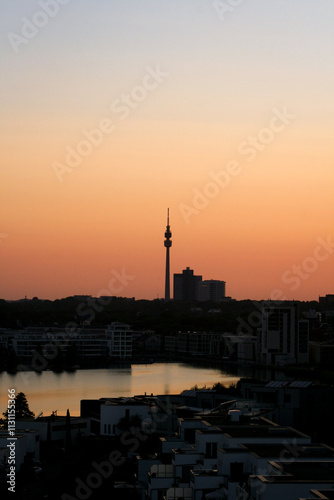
x=115 y=409
x=226 y=457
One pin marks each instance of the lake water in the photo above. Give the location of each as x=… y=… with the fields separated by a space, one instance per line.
x=49 y=391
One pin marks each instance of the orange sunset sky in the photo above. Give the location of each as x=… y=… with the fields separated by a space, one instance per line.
x=113 y=111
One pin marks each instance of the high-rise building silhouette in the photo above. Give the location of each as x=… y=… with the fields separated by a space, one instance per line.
x=186 y=285
x=213 y=290
x=167 y=244
x=191 y=288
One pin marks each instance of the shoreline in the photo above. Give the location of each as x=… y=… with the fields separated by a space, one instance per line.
x=309 y=372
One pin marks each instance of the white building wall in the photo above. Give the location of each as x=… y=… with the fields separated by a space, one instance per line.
x=111 y=415
x=42 y=427
x=24 y=443
x=225 y=460
x=201 y=440
x=190 y=424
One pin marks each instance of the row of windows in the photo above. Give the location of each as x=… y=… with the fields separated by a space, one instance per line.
x=107 y=429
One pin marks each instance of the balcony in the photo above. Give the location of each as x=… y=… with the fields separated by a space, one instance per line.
x=161 y=477
x=168 y=444
x=186 y=456
x=176 y=493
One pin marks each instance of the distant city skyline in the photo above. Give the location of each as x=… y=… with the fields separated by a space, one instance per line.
x=113 y=112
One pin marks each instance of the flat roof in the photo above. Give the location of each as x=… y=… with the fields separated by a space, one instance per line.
x=52 y=418
x=325 y=494
x=261 y=431
x=306 y=470
x=292 y=479
x=284 y=451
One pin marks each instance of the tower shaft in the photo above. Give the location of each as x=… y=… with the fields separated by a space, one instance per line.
x=167 y=244
x=167 y=278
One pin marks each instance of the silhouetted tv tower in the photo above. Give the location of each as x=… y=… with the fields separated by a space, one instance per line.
x=167 y=244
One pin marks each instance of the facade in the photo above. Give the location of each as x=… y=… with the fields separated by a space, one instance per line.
x=55 y=427
x=289 y=401
x=119 y=340
x=322 y=353
x=213 y=290
x=106 y=413
x=38 y=345
x=283 y=337
x=124 y=408
x=196 y=343
x=27 y=443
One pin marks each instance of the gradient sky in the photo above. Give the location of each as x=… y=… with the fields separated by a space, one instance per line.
x=227 y=72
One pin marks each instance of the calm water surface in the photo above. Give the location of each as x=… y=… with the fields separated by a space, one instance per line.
x=48 y=391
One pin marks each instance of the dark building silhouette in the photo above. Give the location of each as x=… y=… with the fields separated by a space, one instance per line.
x=167 y=244
x=328 y=299
x=283 y=337
x=213 y=290
x=186 y=285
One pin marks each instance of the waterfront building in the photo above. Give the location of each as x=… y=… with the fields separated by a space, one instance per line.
x=196 y=343
x=119 y=337
x=90 y=344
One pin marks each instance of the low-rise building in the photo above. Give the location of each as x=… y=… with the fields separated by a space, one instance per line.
x=54 y=427
x=24 y=443
x=288 y=481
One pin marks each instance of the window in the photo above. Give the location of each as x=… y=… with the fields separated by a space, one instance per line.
x=211 y=450
x=236 y=471
x=189 y=435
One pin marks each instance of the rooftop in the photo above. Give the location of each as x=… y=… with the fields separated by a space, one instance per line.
x=125 y=401
x=304 y=471
x=262 y=431
x=322 y=494
x=285 y=451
